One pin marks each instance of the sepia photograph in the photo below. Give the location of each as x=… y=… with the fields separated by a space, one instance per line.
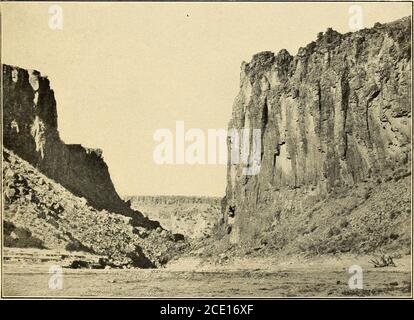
x=205 y=150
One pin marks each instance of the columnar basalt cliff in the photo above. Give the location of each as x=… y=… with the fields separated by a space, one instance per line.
x=30 y=130
x=335 y=115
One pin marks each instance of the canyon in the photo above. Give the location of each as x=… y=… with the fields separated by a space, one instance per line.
x=332 y=189
x=334 y=178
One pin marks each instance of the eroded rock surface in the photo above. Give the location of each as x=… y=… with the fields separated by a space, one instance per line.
x=335 y=115
x=40 y=213
x=60 y=196
x=30 y=130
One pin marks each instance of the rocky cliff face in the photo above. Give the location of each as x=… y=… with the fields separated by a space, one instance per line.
x=30 y=130
x=61 y=196
x=335 y=115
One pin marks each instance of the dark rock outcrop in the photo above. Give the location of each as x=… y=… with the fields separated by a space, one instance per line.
x=335 y=115
x=30 y=130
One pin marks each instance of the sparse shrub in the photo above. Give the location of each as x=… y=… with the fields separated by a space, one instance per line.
x=383 y=261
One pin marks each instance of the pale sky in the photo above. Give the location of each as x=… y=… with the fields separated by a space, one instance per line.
x=120 y=71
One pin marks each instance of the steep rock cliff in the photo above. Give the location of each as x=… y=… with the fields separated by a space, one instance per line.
x=62 y=195
x=335 y=115
x=30 y=130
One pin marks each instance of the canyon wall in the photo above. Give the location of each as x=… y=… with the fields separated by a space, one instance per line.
x=30 y=130
x=60 y=196
x=335 y=115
